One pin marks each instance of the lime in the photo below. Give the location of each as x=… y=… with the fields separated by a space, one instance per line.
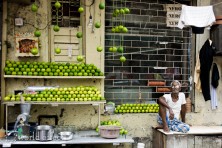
x=79 y=58
x=56 y=28
x=127 y=11
x=122 y=59
x=80 y=9
x=34 y=8
x=120 y=49
x=37 y=33
x=121 y=11
x=34 y=51
x=79 y=35
x=97 y=25
x=124 y=30
x=101 y=5
x=57 y=5
x=57 y=50
x=99 y=48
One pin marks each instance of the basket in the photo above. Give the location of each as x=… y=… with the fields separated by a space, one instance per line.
x=109 y=131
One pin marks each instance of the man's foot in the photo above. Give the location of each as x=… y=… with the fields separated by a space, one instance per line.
x=166 y=129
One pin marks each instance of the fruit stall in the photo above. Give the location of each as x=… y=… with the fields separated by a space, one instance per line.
x=52 y=80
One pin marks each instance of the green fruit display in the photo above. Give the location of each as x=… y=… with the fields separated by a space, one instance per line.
x=59 y=94
x=52 y=69
x=137 y=108
x=101 y=5
x=37 y=33
x=56 y=28
x=34 y=51
x=34 y=8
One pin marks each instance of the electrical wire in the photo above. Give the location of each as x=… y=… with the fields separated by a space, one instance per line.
x=93 y=1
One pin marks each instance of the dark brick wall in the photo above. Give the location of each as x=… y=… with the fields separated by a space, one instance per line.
x=149 y=43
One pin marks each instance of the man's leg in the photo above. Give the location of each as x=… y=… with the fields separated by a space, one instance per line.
x=162 y=113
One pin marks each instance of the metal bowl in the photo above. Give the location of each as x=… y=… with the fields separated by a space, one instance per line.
x=66 y=135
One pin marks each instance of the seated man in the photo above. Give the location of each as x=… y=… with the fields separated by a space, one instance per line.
x=171 y=107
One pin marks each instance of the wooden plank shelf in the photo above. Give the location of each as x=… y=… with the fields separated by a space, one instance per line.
x=12 y=103
x=55 y=77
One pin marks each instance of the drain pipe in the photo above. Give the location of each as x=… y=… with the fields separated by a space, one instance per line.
x=4 y=49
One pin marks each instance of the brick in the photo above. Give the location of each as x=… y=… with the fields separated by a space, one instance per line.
x=158 y=19
x=148 y=63
x=140 y=69
x=131 y=76
x=156 y=6
x=157 y=57
x=139 y=57
x=149 y=1
x=145 y=25
x=161 y=13
x=131 y=38
x=109 y=82
x=148 y=12
x=149 y=38
x=173 y=58
x=174 y=33
x=174 y=45
x=165 y=64
x=139 y=44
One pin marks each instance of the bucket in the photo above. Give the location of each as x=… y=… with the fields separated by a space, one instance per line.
x=140 y=145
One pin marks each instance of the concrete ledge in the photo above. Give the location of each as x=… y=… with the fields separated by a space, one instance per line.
x=198 y=130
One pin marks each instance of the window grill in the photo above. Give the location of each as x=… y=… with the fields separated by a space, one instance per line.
x=68 y=15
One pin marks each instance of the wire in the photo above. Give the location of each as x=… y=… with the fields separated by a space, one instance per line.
x=93 y=1
x=37 y=27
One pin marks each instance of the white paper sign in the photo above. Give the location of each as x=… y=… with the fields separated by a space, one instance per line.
x=173 y=14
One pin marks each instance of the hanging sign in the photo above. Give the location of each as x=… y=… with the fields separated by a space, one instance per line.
x=173 y=14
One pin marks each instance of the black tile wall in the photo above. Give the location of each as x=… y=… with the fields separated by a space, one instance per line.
x=148 y=46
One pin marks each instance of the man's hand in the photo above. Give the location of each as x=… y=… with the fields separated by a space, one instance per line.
x=171 y=116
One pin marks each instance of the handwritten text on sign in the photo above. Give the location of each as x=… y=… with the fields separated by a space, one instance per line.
x=173 y=14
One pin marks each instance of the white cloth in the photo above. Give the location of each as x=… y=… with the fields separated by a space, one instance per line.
x=214 y=102
x=176 y=106
x=202 y=16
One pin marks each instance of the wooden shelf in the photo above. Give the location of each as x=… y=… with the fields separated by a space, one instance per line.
x=55 y=77
x=12 y=103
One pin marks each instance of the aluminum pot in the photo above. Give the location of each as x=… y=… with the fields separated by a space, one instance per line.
x=44 y=133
